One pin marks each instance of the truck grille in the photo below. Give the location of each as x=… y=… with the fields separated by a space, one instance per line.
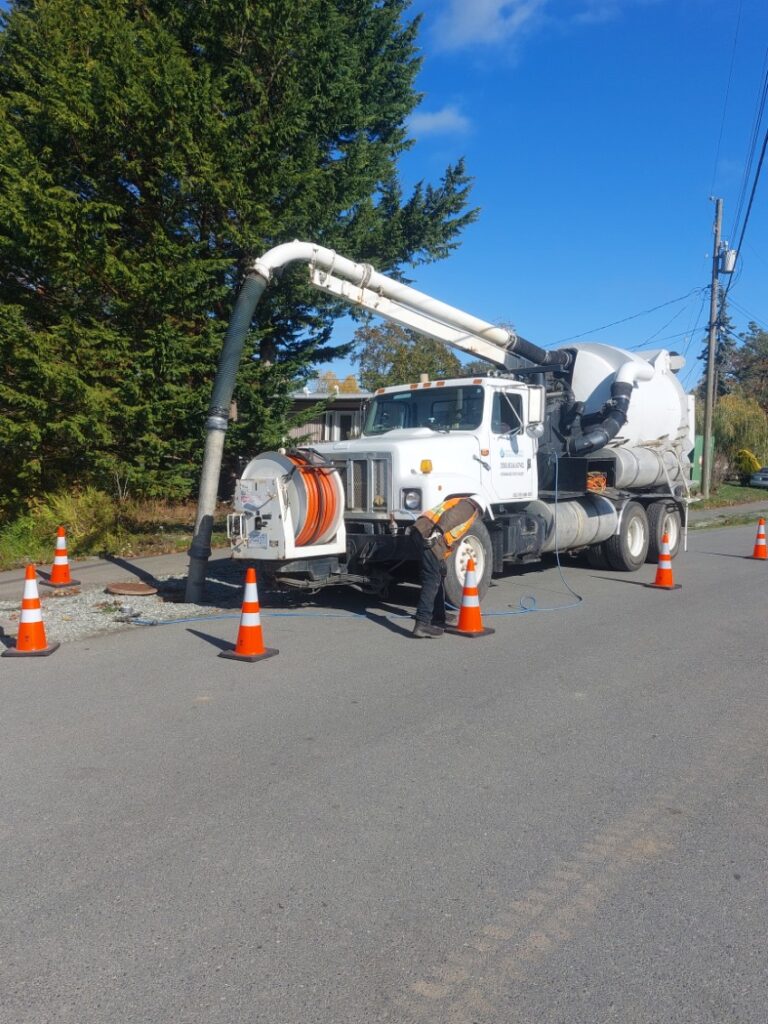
x=365 y=479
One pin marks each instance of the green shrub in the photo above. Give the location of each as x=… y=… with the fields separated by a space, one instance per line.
x=746 y=463
x=90 y=517
x=21 y=543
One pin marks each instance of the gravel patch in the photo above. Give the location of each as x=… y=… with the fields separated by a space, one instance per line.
x=87 y=611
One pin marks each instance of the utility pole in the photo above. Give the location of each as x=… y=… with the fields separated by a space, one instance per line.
x=709 y=402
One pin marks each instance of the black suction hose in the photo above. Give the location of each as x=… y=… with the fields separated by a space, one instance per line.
x=614 y=417
x=216 y=427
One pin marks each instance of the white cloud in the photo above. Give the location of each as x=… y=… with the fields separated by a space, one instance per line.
x=595 y=12
x=448 y=121
x=461 y=24
x=467 y=22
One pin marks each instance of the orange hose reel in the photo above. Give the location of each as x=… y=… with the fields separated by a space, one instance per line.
x=321 y=500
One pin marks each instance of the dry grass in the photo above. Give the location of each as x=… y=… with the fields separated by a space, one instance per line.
x=98 y=525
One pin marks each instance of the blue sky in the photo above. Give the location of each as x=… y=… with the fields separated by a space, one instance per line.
x=593 y=131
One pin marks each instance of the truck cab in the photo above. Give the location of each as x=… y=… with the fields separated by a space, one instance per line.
x=428 y=441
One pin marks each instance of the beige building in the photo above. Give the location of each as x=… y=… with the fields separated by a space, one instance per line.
x=340 y=417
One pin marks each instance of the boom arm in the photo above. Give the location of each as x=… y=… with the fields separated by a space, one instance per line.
x=361 y=285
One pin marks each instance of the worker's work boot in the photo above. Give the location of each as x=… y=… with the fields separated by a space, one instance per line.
x=425 y=630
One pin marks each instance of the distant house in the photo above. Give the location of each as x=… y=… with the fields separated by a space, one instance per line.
x=341 y=416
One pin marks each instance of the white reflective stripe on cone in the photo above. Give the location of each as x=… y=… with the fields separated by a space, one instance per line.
x=60 y=560
x=30 y=590
x=470 y=602
x=250 y=619
x=61 y=542
x=251 y=595
x=31 y=615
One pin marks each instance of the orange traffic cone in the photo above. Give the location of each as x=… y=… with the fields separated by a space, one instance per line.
x=470 y=621
x=31 y=641
x=760 y=548
x=664 y=578
x=250 y=643
x=60 y=575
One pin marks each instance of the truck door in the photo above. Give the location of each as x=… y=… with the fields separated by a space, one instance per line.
x=511 y=457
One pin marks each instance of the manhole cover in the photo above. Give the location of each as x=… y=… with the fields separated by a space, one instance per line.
x=131 y=589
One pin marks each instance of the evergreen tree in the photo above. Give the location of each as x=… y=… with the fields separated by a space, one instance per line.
x=725 y=350
x=750 y=365
x=148 y=150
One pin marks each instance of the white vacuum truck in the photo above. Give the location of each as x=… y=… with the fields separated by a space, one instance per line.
x=584 y=447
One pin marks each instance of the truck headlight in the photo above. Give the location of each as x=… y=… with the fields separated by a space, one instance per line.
x=412 y=499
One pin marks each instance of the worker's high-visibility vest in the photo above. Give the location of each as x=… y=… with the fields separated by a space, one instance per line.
x=455 y=533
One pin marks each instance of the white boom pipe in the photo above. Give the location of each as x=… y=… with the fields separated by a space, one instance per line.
x=361 y=284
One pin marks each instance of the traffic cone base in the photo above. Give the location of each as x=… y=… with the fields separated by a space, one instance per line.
x=269 y=652
x=12 y=652
x=250 y=642
x=760 y=550
x=664 y=578
x=485 y=631
x=58 y=586
x=31 y=641
x=59 y=575
x=470 y=621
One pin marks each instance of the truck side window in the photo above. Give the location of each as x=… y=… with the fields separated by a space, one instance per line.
x=506 y=413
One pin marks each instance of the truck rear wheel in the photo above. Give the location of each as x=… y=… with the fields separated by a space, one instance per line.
x=475 y=544
x=597 y=558
x=626 y=551
x=663 y=518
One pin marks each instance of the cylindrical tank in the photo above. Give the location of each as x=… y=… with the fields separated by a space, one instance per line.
x=644 y=467
x=658 y=407
x=583 y=521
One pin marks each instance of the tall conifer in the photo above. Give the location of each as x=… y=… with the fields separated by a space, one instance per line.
x=148 y=150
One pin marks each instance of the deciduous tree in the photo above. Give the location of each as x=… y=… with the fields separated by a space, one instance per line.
x=390 y=354
x=737 y=423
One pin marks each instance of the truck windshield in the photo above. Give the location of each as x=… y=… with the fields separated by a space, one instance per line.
x=441 y=409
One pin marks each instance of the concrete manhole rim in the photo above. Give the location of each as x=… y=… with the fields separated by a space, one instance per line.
x=130 y=589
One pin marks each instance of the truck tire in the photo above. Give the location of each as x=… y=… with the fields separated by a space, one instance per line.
x=626 y=551
x=597 y=558
x=663 y=517
x=475 y=544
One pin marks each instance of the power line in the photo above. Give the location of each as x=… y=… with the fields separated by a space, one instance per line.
x=749 y=211
x=662 y=328
x=692 y=335
x=745 y=312
x=692 y=332
x=634 y=316
x=727 y=94
x=754 y=135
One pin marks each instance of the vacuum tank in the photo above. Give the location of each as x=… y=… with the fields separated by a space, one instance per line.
x=652 y=444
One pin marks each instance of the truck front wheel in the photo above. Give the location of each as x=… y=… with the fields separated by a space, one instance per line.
x=626 y=551
x=475 y=544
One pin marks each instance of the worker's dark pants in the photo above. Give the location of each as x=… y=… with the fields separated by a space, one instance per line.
x=431 y=606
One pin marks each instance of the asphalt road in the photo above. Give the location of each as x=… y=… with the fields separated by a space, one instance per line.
x=566 y=822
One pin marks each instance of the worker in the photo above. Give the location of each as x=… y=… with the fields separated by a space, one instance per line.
x=439 y=531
